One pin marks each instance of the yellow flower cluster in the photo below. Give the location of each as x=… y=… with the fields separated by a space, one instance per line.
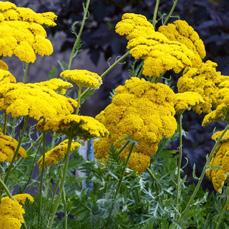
x=204 y=80
x=182 y=32
x=58 y=85
x=11 y=211
x=8 y=146
x=22 y=32
x=187 y=100
x=219 y=165
x=3 y=65
x=22 y=198
x=221 y=111
x=143 y=111
x=82 y=78
x=84 y=127
x=6 y=77
x=34 y=101
x=53 y=156
x=159 y=53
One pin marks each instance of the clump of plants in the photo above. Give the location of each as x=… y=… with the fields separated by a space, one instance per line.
x=134 y=181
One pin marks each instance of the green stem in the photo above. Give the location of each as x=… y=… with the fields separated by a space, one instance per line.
x=21 y=136
x=65 y=210
x=179 y=161
x=155 y=12
x=2 y=183
x=171 y=11
x=32 y=168
x=203 y=173
x=120 y=59
x=5 y=123
x=79 y=99
x=41 y=181
x=119 y=183
x=77 y=41
x=25 y=72
x=65 y=169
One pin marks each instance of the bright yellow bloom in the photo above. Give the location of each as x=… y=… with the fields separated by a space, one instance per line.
x=8 y=146
x=22 y=198
x=182 y=32
x=219 y=165
x=34 y=101
x=84 y=127
x=187 y=100
x=6 y=77
x=58 y=85
x=22 y=32
x=3 y=65
x=53 y=156
x=132 y=25
x=158 y=52
x=204 y=80
x=217 y=134
x=142 y=110
x=82 y=78
x=11 y=213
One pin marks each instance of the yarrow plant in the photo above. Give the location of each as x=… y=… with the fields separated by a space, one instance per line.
x=135 y=181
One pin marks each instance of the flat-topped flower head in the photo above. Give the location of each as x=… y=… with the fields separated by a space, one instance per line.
x=84 y=127
x=187 y=100
x=58 y=85
x=8 y=146
x=159 y=53
x=133 y=25
x=11 y=213
x=82 y=78
x=204 y=80
x=56 y=154
x=6 y=77
x=34 y=101
x=143 y=111
x=23 y=197
x=3 y=65
x=181 y=31
x=22 y=32
x=219 y=164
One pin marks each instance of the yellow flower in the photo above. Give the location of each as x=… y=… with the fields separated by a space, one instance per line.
x=84 y=127
x=138 y=162
x=181 y=31
x=22 y=198
x=8 y=146
x=133 y=23
x=187 y=100
x=22 y=32
x=3 y=65
x=6 y=77
x=142 y=110
x=204 y=80
x=82 y=78
x=58 y=85
x=11 y=213
x=219 y=165
x=53 y=156
x=158 y=52
x=34 y=101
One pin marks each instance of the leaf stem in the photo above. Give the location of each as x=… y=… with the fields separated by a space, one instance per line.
x=2 y=183
x=25 y=72
x=179 y=161
x=171 y=11
x=65 y=169
x=155 y=12
x=78 y=36
x=21 y=136
x=41 y=180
